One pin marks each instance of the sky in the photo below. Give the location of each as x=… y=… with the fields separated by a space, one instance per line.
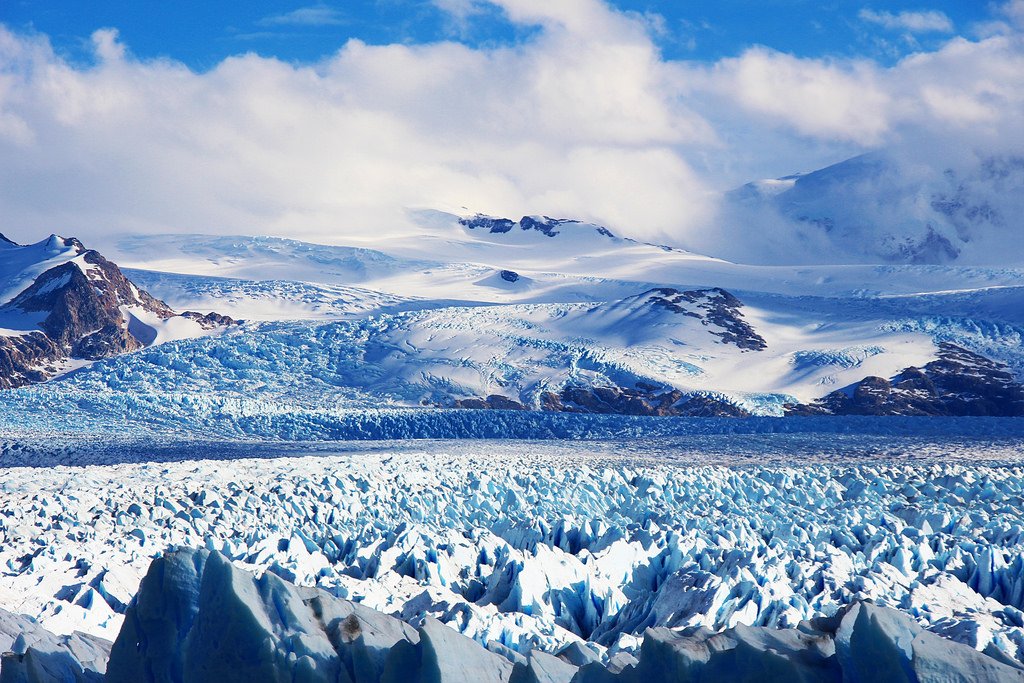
x=329 y=120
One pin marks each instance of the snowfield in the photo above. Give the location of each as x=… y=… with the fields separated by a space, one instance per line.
x=539 y=545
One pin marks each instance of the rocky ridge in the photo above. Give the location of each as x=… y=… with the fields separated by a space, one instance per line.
x=83 y=308
x=957 y=383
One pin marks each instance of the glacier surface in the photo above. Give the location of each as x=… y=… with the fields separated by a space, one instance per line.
x=539 y=546
x=198 y=618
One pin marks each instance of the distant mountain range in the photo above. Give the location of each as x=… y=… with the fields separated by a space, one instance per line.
x=479 y=312
x=543 y=314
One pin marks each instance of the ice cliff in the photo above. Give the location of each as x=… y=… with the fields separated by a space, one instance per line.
x=198 y=619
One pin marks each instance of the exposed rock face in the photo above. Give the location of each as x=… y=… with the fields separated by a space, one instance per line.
x=492 y=402
x=715 y=307
x=643 y=400
x=209 y=321
x=488 y=223
x=26 y=359
x=613 y=400
x=543 y=224
x=958 y=383
x=83 y=308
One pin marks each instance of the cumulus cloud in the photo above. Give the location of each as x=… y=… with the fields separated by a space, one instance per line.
x=931 y=21
x=966 y=90
x=578 y=122
x=586 y=119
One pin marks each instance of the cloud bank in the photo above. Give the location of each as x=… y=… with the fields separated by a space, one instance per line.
x=914 y=22
x=585 y=119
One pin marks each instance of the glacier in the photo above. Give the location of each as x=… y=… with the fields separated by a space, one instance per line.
x=535 y=546
x=198 y=618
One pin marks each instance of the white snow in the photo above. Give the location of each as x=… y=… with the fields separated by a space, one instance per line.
x=21 y=265
x=150 y=328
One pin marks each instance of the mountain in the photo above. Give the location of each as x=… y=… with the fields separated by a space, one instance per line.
x=480 y=312
x=879 y=208
x=957 y=383
x=65 y=305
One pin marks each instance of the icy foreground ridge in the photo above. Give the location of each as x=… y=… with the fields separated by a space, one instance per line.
x=31 y=654
x=536 y=552
x=198 y=618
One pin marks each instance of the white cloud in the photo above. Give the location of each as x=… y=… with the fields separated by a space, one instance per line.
x=573 y=124
x=314 y=15
x=106 y=45
x=815 y=97
x=586 y=120
x=1014 y=11
x=930 y=21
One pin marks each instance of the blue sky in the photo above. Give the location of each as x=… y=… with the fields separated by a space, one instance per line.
x=201 y=33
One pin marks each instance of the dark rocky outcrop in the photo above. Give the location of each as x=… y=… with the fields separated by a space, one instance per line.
x=83 y=311
x=488 y=223
x=492 y=402
x=545 y=225
x=713 y=306
x=211 y=320
x=958 y=383
x=26 y=359
x=80 y=306
x=614 y=400
x=643 y=400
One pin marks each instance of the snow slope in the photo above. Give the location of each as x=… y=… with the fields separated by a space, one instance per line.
x=316 y=371
x=474 y=306
x=446 y=260
x=20 y=265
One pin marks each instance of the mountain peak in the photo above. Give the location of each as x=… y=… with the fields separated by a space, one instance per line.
x=70 y=302
x=545 y=225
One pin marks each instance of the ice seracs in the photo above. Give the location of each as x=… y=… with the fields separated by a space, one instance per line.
x=198 y=618
x=540 y=548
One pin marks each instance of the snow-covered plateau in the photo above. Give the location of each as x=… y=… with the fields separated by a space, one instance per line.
x=475 y=312
x=535 y=546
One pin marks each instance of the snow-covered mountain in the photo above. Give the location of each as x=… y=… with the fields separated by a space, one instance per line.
x=877 y=208
x=63 y=305
x=534 y=313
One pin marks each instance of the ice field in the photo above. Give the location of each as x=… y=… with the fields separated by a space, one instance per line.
x=536 y=545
